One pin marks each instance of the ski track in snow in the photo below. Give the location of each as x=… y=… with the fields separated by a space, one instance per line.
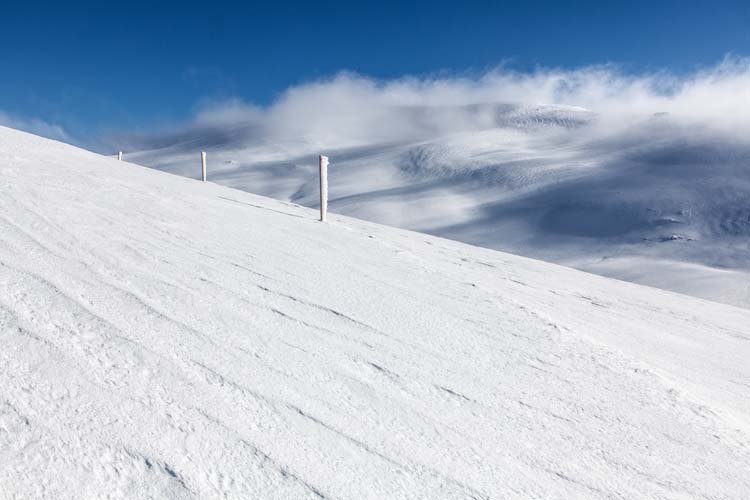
x=165 y=338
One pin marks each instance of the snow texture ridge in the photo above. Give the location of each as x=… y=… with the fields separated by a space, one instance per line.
x=166 y=338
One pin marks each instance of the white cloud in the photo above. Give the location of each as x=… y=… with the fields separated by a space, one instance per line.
x=349 y=109
x=226 y=112
x=34 y=126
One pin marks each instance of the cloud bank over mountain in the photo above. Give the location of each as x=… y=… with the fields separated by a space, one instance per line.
x=349 y=109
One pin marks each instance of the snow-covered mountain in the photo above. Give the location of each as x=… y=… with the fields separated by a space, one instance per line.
x=657 y=199
x=167 y=338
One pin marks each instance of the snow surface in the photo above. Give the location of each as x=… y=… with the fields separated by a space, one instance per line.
x=605 y=193
x=166 y=338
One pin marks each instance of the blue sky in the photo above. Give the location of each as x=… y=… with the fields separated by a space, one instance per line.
x=103 y=66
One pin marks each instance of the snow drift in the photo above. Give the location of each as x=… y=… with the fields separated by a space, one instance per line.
x=644 y=178
x=166 y=338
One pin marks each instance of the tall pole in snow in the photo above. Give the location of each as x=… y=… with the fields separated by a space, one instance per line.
x=203 y=166
x=323 y=187
x=119 y=155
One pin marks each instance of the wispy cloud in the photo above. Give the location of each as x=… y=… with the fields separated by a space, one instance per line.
x=34 y=126
x=350 y=109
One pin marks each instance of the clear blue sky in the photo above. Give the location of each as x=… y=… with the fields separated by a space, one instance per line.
x=125 y=65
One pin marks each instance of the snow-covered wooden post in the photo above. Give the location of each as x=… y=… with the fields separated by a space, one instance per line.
x=323 y=162
x=119 y=155
x=203 y=166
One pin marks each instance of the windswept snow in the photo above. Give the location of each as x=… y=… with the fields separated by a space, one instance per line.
x=604 y=192
x=166 y=338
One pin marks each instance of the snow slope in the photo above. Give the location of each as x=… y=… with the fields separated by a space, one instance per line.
x=657 y=200
x=165 y=338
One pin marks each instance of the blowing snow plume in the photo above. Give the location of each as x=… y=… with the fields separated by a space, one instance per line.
x=643 y=177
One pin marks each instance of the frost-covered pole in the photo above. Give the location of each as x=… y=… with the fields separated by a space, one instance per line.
x=323 y=187
x=203 y=166
x=119 y=155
